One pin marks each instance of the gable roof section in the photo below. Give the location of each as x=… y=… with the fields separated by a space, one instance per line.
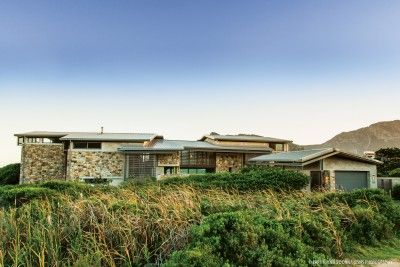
x=304 y=157
x=179 y=145
x=243 y=138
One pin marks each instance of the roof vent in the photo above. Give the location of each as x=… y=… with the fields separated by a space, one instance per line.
x=102 y=130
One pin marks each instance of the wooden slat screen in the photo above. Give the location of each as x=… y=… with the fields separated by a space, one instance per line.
x=141 y=166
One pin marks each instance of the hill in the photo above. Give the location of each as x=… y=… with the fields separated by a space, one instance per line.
x=372 y=138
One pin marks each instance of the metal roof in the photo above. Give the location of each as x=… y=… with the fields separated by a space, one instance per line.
x=305 y=156
x=42 y=134
x=179 y=145
x=244 y=138
x=92 y=136
x=110 y=136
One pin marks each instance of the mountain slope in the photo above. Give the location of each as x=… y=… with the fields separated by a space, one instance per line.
x=378 y=135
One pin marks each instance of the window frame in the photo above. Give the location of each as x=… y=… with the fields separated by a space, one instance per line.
x=86 y=145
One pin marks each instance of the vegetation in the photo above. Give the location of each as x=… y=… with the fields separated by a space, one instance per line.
x=176 y=224
x=390 y=158
x=396 y=192
x=395 y=173
x=251 y=178
x=9 y=174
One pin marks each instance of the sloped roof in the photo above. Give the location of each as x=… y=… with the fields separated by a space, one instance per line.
x=110 y=136
x=302 y=157
x=42 y=134
x=243 y=138
x=179 y=145
x=91 y=136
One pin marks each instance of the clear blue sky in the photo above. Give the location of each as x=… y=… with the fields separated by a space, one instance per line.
x=303 y=70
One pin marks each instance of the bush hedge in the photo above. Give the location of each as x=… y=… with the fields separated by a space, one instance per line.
x=247 y=179
x=9 y=174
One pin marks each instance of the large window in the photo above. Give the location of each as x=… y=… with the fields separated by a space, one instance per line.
x=197 y=159
x=87 y=145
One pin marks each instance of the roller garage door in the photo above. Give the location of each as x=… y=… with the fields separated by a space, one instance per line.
x=349 y=180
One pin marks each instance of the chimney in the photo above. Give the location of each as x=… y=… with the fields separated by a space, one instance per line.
x=102 y=130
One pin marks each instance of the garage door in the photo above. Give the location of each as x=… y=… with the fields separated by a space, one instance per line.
x=349 y=180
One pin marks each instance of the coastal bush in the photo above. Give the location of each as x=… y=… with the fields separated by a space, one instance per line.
x=249 y=179
x=249 y=238
x=395 y=173
x=145 y=224
x=19 y=195
x=9 y=174
x=243 y=239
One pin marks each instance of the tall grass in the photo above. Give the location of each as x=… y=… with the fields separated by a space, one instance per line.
x=135 y=225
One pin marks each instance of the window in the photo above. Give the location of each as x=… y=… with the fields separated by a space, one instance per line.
x=197 y=159
x=87 y=145
x=169 y=170
x=194 y=171
x=20 y=140
x=94 y=145
x=277 y=146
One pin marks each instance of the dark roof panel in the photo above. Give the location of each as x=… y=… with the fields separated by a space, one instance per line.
x=303 y=156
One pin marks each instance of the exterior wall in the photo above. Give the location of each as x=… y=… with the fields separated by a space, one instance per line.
x=341 y=164
x=236 y=143
x=85 y=163
x=40 y=162
x=166 y=160
x=113 y=146
x=224 y=161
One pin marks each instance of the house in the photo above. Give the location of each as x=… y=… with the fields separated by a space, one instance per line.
x=329 y=168
x=120 y=156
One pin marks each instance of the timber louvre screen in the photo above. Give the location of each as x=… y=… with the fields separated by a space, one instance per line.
x=141 y=166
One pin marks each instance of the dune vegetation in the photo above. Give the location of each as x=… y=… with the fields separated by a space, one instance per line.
x=173 y=223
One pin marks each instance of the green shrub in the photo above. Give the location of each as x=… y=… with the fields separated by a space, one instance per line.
x=367 y=198
x=357 y=197
x=18 y=195
x=73 y=188
x=9 y=174
x=243 y=239
x=395 y=173
x=396 y=192
x=369 y=227
x=250 y=179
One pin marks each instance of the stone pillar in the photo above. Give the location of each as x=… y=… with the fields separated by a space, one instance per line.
x=42 y=162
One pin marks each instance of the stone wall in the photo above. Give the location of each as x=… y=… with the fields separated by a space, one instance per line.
x=225 y=161
x=94 y=164
x=168 y=159
x=41 y=162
